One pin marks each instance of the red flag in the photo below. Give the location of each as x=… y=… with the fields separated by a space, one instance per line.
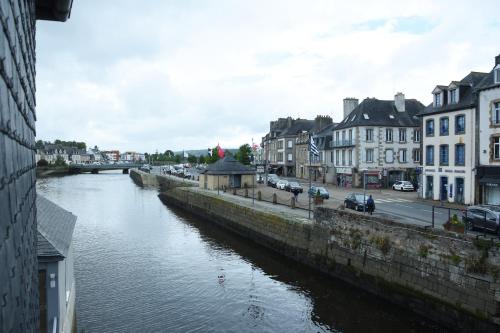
x=220 y=151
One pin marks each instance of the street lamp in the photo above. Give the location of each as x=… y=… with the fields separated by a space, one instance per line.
x=364 y=190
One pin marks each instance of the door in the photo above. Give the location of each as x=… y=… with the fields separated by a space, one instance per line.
x=429 y=189
x=42 y=294
x=459 y=190
x=443 y=189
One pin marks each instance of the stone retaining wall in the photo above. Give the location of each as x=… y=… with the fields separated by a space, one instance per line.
x=163 y=182
x=449 y=279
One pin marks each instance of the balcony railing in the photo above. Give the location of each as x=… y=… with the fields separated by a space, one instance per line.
x=341 y=143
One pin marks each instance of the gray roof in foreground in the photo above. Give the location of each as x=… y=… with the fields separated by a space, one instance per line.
x=228 y=166
x=55 y=229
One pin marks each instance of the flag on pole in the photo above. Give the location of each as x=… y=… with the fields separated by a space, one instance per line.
x=220 y=151
x=210 y=151
x=312 y=148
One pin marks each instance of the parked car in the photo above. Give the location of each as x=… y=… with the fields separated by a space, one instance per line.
x=355 y=201
x=403 y=185
x=291 y=186
x=322 y=192
x=272 y=179
x=484 y=217
x=281 y=184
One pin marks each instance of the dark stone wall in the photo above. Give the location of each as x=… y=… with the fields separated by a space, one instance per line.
x=19 y=309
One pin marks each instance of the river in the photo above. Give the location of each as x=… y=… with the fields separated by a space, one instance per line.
x=141 y=266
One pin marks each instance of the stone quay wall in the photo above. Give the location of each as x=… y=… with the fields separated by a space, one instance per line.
x=447 y=278
x=163 y=182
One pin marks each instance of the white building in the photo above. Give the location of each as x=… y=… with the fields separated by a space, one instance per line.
x=449 y=141
x=378 y=140
x=488 y=168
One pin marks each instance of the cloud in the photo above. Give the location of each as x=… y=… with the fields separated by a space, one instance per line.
x=188 y=74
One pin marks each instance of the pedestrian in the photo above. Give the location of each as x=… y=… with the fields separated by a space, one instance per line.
x=338 y=181
x=295 y=192
x=370 y=204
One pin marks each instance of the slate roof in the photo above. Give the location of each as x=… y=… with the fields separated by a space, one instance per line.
x=228 y=166
x=379 y=111
x=323 y=138
x=488 y=81
x=55 y=229
x=299 y=126
x=467 y=98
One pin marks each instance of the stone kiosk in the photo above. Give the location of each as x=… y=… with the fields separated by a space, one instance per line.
x=227 y=173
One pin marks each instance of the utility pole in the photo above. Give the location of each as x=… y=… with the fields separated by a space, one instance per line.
x=310 y=179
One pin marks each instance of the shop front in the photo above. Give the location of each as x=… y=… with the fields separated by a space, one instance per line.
x=344 y=177
x=373 y=178
x=489 y=185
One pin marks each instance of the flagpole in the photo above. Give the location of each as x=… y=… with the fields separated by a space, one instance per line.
x=310 y=180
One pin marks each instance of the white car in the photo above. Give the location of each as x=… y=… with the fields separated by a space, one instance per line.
x=403 y=185
x=281 y=184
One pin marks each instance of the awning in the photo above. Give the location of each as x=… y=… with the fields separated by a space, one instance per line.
x=489 y=180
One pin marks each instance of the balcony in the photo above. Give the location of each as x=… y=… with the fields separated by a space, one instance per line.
x=341 y=143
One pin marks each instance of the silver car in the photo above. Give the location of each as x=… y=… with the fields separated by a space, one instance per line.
x=484 y=217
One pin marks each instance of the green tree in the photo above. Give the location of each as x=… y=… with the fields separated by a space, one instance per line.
x=169 y=153
x=42 y=163
x=214 y=158
x=243 y=154
x=60 y=161
x=201 y=159
x=177 y=158
x=192 y=159
x=39 y=144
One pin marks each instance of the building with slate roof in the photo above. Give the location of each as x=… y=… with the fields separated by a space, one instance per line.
x=378 y=138
x=227 y=173
x=449 y=135
x=55 y=267
x=488 y=137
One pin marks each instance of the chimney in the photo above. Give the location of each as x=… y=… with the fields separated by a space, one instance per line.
x=321 y=122
x=399 y=102
x=497 y=60
x=349 y=105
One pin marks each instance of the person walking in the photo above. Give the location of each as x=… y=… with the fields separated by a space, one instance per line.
x=370 y=204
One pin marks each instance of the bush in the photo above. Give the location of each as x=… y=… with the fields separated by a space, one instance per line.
x=42 y=163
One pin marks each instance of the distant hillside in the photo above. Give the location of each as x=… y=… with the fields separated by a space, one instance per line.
x=204 y=152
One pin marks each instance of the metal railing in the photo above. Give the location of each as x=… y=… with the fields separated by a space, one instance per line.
x=341 y=143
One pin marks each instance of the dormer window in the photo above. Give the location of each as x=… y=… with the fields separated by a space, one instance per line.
x=453 y=96
x=437 y=99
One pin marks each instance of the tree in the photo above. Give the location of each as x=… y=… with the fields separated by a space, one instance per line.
x=214 y=157
x=169 y=153
x=177 y=158
x=42 y=163
x=60 y=161
x=192 y=159
x=201 y=159
x=243 y=154
x=39 y=144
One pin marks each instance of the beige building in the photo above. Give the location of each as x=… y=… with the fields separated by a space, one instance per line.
x=227 y=173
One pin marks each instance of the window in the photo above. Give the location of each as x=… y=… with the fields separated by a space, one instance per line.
x=402 y=156
x=429 y=155
x=389 y=156
x=343 y=136
x=289 y=144
x=369 y=155
x=416 y=155
x=337 y=160
x=443 y=154
x=290 y=157
x=280 y=157
x=402 y=135
x=496 y=113
x=350 y=157
x=437 y=100
x=365 y=115
x=350 y=136
x=496 y=148
x=331 y=157
x=416 y=135
x=280 y=144
x=369 y=134
x=453 y=96
x=460 y=154
x=388 y=135
x=429 y=127
x=444 y=126
x=343 y=157
x=460 y=124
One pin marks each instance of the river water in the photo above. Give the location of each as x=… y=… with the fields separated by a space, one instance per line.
x=141 y=266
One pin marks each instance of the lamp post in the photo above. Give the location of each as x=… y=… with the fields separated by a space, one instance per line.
x=364 y=191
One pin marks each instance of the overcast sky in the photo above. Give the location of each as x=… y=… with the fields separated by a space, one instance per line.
x=157 y=74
